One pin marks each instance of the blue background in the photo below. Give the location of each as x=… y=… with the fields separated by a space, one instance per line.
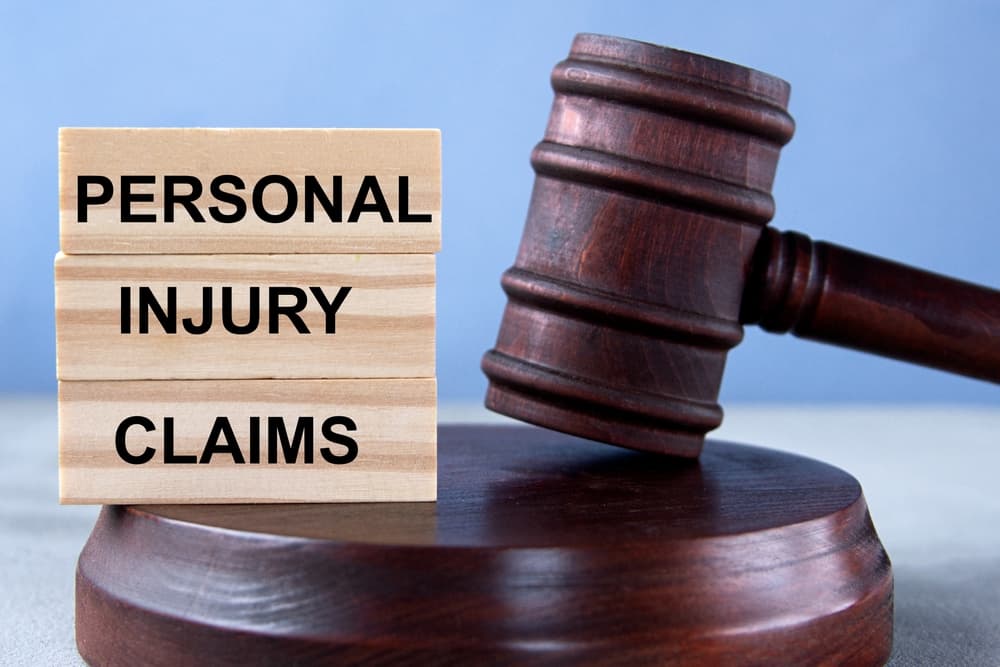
x=897 y=150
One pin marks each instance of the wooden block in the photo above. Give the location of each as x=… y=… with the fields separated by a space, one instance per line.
x=546 y=549
x=383 y=327
x=384 y=175
x=395 y=441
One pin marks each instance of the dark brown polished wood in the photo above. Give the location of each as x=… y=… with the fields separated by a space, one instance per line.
x=542 y=549
x=646 y=248
x=825 y=292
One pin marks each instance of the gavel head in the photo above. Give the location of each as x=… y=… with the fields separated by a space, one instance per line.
x=652 y=190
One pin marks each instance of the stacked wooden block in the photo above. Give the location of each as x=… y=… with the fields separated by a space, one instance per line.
x=247 y=315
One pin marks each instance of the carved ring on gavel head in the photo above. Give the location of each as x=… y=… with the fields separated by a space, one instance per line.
x=646 y=249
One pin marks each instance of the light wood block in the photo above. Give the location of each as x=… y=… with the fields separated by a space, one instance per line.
x=384 y=327
x=395 y=436
x=250 y=155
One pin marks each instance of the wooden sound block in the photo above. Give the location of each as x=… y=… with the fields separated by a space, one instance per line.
x=543 y=548
x=248 y=441
x=139 y=317
x=203 y=190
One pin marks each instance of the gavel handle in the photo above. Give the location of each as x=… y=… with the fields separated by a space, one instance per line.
x=832 y=294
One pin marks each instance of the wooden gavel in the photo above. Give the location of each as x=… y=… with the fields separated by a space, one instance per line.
x=646 y=249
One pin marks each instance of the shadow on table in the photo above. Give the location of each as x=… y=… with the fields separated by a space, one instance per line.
x=945 y=614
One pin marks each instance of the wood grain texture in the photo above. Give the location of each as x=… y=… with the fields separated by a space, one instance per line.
x=384 y=327
x=250 y=154
x=395 y=434
x=542 y=549
x=832 y=294
x=652 y=187
x=645 y=250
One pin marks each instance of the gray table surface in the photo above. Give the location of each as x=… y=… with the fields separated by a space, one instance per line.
x=931 y=475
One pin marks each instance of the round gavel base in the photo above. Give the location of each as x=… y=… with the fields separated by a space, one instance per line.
x=543 y=548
